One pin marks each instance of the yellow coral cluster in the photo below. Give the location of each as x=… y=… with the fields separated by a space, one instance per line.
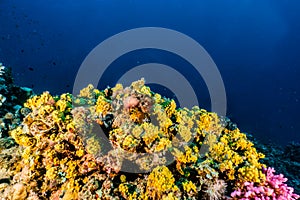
x=124 y=189
x=37 y=102
x=189 y=155
x=189 y=186
x=92 y=146
x=209 y=123
x=53 y=151
x=237 y=156
x=102 y=106
x=160 y=183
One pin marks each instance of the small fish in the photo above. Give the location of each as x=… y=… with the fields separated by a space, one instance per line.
x=30 y=68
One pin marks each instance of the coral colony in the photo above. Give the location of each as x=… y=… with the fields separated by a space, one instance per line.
x=55 y=151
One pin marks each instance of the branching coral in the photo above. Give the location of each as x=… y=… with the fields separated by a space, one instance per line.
x=273 y=188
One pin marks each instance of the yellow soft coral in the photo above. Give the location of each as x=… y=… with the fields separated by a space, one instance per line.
x=161 y=116
x=163 y=144
x=244 y=162
x=87 y=91
x=151 y=133
x=22 y=138
x=93 y=146
x=209 y=123
x=160 y=182
x=102 y=106
x=171 y=108
x=189 y=186
x=186 y=156
x=124 y=190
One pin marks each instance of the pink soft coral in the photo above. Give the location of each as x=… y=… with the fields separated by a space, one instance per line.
x=274 y=188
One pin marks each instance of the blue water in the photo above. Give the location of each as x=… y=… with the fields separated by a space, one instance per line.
x=255 y=44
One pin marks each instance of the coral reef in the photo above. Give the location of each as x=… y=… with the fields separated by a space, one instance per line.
x=127 y=143
x=12 y=98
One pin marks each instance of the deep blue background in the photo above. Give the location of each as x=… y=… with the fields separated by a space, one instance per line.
x=255 y=45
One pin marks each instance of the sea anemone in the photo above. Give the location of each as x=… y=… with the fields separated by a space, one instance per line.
x=214 y=190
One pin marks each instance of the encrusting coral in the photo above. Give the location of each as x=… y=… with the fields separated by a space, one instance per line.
x=80 y=147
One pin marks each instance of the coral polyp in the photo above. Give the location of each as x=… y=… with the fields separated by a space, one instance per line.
x=129 y=143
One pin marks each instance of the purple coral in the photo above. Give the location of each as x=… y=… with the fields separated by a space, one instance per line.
x=274 y=188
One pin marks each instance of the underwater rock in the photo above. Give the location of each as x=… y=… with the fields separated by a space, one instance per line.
x=292 y=151
x=6 y=143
